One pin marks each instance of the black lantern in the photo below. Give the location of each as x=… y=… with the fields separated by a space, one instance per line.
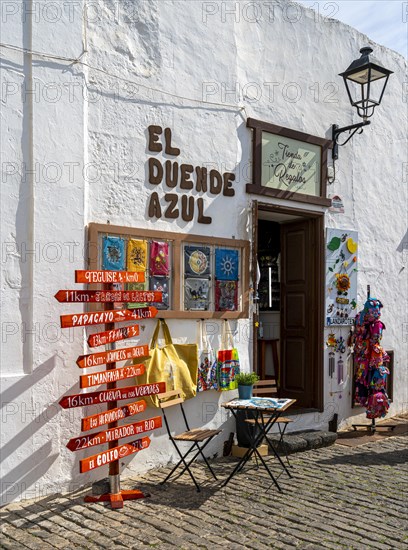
x=359 y=79
x=365 y=81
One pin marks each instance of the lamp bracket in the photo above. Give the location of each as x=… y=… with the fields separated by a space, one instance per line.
x=336 y=131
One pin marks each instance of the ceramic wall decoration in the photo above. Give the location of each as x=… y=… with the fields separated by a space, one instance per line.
x=341 y=276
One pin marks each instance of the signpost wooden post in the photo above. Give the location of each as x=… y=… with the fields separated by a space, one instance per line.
x=111 y=375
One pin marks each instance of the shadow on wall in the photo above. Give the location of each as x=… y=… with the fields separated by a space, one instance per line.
x=22 y=480
x=14 y=409
x=18 y=412
x=403 y=245
x=12 y=393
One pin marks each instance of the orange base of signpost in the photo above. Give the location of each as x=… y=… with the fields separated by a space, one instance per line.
x=116 y=499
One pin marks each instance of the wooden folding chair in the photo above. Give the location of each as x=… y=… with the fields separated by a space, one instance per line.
x=269 y=388
x=198 y=437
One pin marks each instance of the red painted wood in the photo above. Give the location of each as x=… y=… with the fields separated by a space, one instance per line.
x=108 y=376
x=116 y=499
x=112 y=415
x=107 y=316
x=108 y=296
x=107 y=277
x=116 y=453
x=120 y=432
x=110 y=336
x=112 y=356
x=94 y=398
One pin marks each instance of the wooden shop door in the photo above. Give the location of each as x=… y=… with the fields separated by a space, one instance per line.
x=298 y=311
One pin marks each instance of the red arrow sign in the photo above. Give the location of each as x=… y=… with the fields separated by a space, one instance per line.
x=106 y=417
x=109 y=336
x=106 y=276
x=107 y=316
x=111 y=356
x=110 y=455
x=128 y=430
x=104 y=296
x=129 y=392
x=113 y=375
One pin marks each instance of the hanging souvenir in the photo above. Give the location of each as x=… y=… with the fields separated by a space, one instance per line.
x=369 y=359
x=136 y=255
x=197 y=261
x=228 y=365
x=340 y=371
x=207 y=368
x=341 y=276
x=331 y=364
x=331 y=340
x=226 y=264
x=113 y=253
x=226 y=296
x=197 y=294
x=340 y=345
x=159 y=258
x=160 y=284
x=136 y=286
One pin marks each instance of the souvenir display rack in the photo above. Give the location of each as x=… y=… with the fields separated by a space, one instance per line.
x=364 y=356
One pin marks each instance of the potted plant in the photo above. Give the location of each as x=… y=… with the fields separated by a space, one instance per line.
x=245 y=431
x=245 y=381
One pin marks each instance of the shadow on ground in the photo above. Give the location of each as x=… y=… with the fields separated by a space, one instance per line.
x=370 y=458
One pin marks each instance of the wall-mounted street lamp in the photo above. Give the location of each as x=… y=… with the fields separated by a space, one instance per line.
x=365 y=82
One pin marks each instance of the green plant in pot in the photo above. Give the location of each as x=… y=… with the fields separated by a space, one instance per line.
x=245 y=381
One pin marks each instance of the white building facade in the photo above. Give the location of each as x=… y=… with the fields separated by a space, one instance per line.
x=81 y=85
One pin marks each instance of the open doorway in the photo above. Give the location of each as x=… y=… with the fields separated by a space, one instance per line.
x=289 y=266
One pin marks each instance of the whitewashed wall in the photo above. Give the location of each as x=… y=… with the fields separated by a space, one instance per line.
x=76 y=152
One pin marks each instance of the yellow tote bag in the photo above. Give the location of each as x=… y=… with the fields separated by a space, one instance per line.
x=175 y=364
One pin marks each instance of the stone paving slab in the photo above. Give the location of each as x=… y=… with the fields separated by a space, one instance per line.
x=339 y=498
x=361 y=436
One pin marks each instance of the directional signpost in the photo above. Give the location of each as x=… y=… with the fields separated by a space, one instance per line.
x=127 y=430
x=113 y=394
x=107 y=316
x=115 y=452
x=111 y=356
x=109 y=277
x=104 y=296
x=111 y=336
x=106 y=376
x=105 y=457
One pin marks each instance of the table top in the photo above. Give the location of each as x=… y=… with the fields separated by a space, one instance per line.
x=263 y=404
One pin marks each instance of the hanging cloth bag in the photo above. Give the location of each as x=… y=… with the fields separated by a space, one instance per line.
x=207 y=369
x=227 y=361
x=174 y=364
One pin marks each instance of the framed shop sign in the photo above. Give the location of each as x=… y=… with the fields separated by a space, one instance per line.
x=288 y=164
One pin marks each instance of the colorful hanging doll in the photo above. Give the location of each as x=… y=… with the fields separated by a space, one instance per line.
x=369 y=357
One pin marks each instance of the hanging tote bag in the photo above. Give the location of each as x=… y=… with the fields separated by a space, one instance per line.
x=207 y=368
x=174 y=364
x=227 y=361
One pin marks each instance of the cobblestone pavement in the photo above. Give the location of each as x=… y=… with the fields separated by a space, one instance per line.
x=339 y=497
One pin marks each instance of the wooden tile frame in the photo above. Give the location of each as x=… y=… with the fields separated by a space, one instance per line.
x=177 y=240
